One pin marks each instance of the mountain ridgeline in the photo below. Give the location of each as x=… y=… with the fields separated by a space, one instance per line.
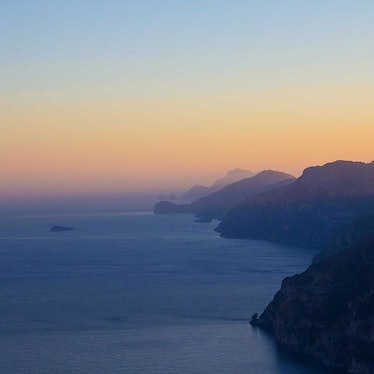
x=231 y=176
x=217 y=204
x=309 y=211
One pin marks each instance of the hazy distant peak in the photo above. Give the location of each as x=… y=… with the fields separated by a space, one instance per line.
x=233 y=176
x=196 y=192
x=217 y=204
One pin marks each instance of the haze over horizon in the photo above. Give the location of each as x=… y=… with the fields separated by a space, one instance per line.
x=122 y=96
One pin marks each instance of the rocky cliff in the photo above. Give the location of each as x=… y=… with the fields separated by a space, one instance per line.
x=327 y=312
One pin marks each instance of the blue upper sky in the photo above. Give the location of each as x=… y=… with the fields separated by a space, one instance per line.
x=72 y=45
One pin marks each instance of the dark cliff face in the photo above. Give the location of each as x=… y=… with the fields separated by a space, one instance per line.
x=359 y=230
x=217 y=204
x=327 y=312
x=308 y=211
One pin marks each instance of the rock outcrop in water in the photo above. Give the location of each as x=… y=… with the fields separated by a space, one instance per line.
x=308 y=211
x=327 y=312
x=61 y=228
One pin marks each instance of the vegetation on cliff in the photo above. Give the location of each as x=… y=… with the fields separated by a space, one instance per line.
x=327 y=312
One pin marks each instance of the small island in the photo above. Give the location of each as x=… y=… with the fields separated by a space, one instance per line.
x=61 y=228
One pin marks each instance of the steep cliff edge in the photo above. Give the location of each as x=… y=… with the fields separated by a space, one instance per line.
x=327 y=312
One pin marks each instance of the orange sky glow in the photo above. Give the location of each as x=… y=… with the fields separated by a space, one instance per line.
x=154 y=120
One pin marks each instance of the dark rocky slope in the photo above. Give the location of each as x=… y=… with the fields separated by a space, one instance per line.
x=359 y=230
x=310 y=210
x=327 y=312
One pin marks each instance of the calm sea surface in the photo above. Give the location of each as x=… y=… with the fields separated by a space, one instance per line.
x=137 y=293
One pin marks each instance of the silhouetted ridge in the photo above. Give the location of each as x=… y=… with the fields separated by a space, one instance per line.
x=232 y=176
x=217 y=204
x=308 y=211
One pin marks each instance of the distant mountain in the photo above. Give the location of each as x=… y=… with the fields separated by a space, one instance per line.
x=231 y=176
x=217 y=204
x=196 y=192
x=308 y=211
x=327 y=312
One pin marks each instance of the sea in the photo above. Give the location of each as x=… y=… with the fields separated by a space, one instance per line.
x=137 y=293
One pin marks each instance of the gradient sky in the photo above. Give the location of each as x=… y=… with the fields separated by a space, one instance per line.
x=111 y=96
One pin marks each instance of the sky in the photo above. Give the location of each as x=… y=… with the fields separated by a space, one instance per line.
x=139 y=96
